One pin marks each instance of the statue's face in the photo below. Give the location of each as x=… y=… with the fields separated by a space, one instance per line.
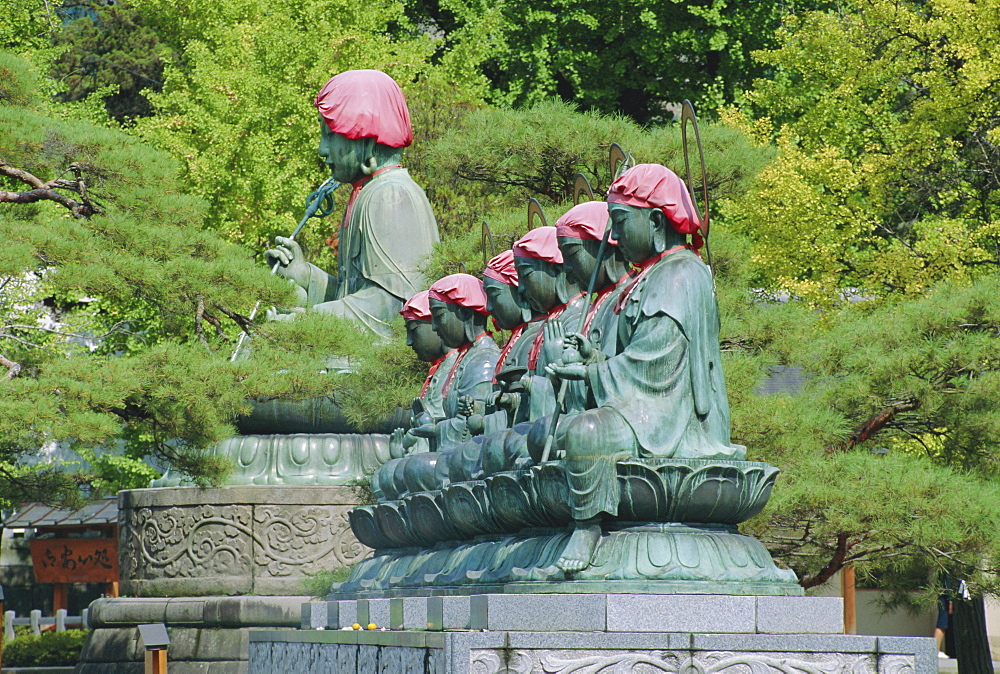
x=633 y=228
x=581 y=256
x=341 y=154
x=504 y=303
x=448 y=324
x=538 y=279
x=420 y=337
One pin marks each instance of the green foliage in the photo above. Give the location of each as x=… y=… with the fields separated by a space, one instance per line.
x=50 y=649
x=634 y=58
x=537 y=151
x=18 y=84
x=26 y=25
x=116 y=471
x=915 y=378
x=886 y=118
x=117 y=50
x=318 y=584
x=386 y=376
x=492 y=160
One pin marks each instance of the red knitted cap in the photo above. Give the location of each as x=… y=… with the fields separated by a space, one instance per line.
x=539 y=244
x=366 y=104
x=464 y=290
x=655 y=186
x=501 y=268
x=417 y=307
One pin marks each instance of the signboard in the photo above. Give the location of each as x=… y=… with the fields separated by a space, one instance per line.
x=75 y=560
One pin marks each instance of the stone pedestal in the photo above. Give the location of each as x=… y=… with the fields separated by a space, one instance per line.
x=552 y=633
x=186 y=541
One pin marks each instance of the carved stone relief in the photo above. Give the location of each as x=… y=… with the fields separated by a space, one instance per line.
x=676 y=662
x=219 y=547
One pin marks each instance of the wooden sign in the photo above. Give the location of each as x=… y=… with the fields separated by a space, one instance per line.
x=75 y=560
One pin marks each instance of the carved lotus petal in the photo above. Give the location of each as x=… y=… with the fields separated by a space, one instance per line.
x=467 y=506
x=365 y=528
x=393 y=524
x=425 y=513
x=644 y=493
x=550 y=494
x=509 y=502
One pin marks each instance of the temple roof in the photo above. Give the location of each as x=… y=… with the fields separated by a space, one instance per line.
x=103 y=511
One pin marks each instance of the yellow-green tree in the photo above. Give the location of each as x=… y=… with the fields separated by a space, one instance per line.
x=886 y=118
x=237 y=111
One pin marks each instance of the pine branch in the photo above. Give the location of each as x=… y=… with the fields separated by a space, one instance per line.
x=117 y=327
x=46 y=191
x=199 y=320
x=13 y=369
x=218 y=326
x=873 y=425
x=5 y=335
x=833 y=566
x=244 y=322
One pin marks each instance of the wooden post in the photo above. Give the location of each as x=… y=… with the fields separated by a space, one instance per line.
x=111 y=589
x=156 y=661
x=847 y=587
x=60 y=597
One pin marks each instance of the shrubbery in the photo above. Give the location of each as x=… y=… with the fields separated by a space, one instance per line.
x=50 y=649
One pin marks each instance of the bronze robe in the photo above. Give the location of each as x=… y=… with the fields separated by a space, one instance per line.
x=390 y=231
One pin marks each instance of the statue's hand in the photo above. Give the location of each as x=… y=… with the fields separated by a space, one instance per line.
x=506 y=401
x=425 y=431
x=409 y=440
x=291 y=261
x=274 y=314
x=466 y=406
x=475 y=424
x=396 y=449
x=582 y=345
x=575 y=371
x=524 y=384
x=552 y=347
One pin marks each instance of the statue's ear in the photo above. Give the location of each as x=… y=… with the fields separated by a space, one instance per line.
x=369 y=164
x=658 y=221
x=468 y=318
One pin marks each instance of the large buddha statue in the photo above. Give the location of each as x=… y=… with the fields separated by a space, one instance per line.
x=661 y=394
x=388 y=227
x=387 y=231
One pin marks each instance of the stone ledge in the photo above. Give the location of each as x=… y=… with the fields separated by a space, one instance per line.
x=201 y=612
x=614 y=613
x=248 y=494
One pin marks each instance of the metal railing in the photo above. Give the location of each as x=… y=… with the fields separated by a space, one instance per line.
x=62 y=621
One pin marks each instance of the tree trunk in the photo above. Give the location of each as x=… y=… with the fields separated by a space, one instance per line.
x=971 y=645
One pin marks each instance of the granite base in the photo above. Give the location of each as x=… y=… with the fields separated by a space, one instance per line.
x=564 y=652
x=492 y=633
